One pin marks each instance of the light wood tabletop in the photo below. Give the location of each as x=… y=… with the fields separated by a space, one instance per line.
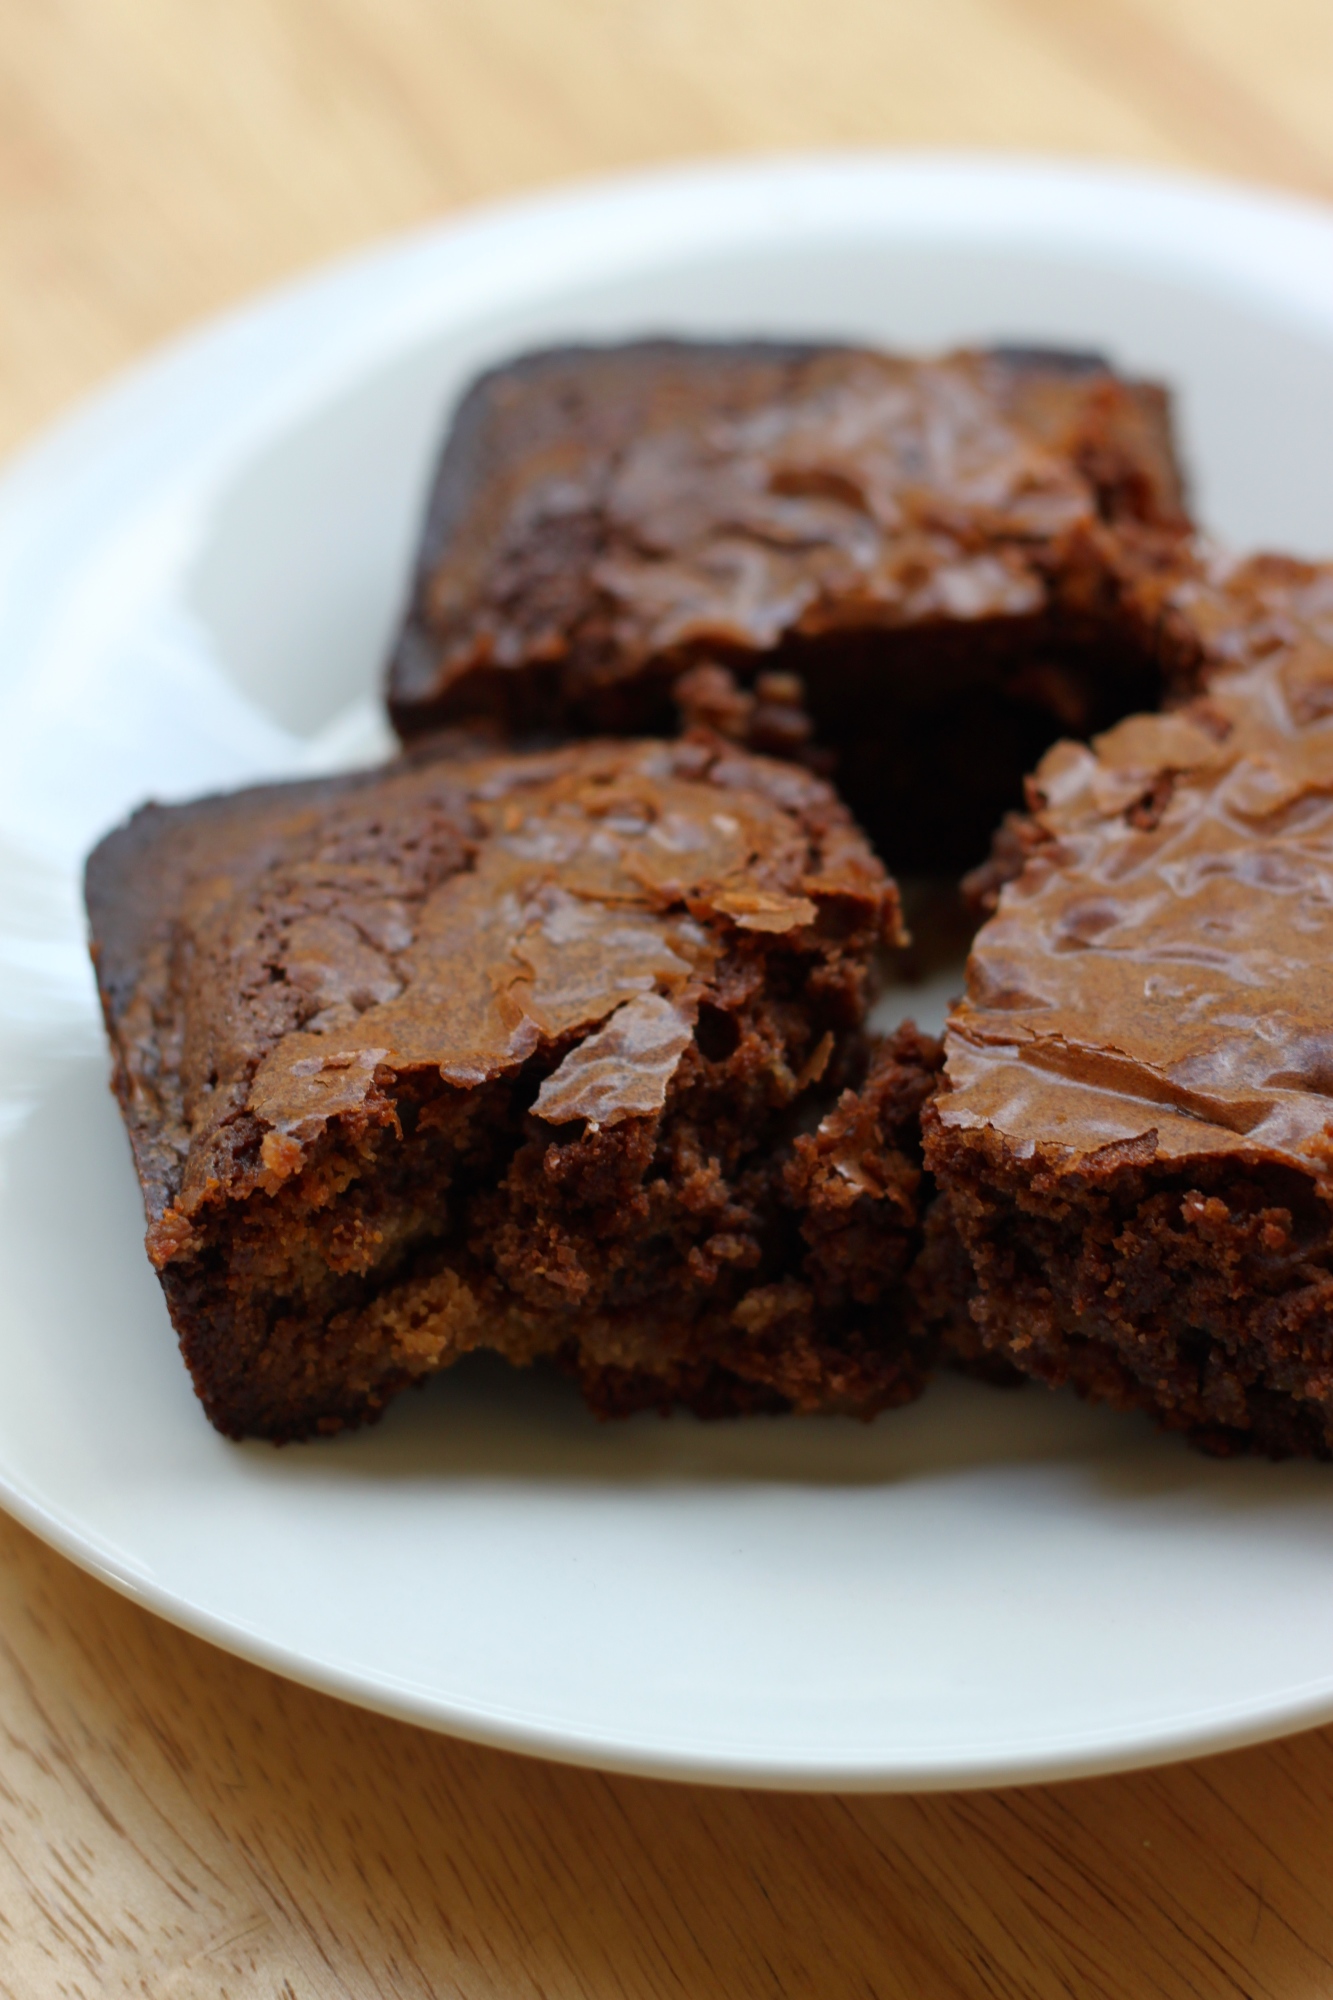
x=173 y=1822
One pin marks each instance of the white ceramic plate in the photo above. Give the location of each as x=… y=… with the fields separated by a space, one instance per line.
x=198 y=574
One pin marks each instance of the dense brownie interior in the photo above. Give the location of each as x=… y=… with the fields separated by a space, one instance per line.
x=1201 y=1291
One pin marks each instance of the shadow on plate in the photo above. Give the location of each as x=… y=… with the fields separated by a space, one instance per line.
x=485 y=1422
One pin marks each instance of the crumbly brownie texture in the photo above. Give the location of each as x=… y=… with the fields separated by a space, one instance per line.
x=819 y=1337
x=918 y=567
x=1134 y=1137
x=502 y=1051
x=856 y=1186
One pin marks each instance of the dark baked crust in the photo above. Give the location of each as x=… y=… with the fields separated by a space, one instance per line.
x=498 y=1050
x=936 y=550
x=1134 y=1135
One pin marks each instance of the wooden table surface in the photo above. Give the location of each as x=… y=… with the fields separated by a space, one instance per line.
x=175 y=1823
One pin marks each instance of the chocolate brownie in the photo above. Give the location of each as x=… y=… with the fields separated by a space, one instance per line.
x=1134 y=1138
x=856 y=1181
x=916 y=569
x=505 y=1050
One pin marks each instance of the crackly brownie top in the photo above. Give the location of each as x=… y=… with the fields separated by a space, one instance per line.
x=599 y=507
x=269 y=959
x=1157 y=980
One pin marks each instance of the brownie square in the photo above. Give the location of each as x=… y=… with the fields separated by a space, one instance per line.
x=913 y=571
x=506 y=1050
x=1134 y=1137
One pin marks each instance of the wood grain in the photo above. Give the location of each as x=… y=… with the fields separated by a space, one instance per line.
x=159 y=158
x=175 y=1823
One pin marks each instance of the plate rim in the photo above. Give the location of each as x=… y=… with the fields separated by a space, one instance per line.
x=1236 y=1728
x=1238 y=230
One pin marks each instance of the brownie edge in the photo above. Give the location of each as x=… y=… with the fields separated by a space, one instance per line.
x=1133 y=1137
x=499 y=1051
x=909 y=572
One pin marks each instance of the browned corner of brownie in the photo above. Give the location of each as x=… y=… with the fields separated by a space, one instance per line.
x=1132 y=1138
x=499 y=1050
x=917 y=570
